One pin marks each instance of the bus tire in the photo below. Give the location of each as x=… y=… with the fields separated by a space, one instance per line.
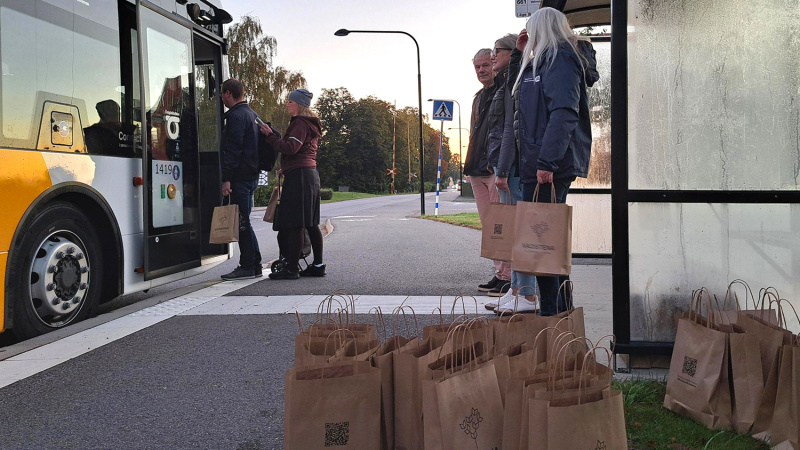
x=56 y=271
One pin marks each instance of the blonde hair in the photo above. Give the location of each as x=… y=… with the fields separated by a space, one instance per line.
x=305 y=111
x=547 y=29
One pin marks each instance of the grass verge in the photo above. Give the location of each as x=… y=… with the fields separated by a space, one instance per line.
x=469 y=220
x=342 y=196
x=651 y=426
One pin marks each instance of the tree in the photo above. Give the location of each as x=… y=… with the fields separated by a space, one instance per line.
x=333 y=107
x=250 y=57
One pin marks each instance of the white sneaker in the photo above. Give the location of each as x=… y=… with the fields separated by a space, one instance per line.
x=523 y=306
x=506 y=302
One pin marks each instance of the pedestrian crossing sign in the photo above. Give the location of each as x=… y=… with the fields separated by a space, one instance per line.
x=442 y=110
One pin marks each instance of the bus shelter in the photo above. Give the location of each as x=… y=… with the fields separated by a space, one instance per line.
x=704 y=138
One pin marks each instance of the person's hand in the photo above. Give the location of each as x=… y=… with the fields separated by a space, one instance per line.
x=544 y=176
x=501 y=183
x=522 y=40
x=466 y=179
x=226 y=189
x=265 y=129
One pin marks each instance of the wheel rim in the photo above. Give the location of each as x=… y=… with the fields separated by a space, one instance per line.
x=59 y=278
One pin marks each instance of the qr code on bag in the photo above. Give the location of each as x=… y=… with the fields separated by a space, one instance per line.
x=689 y=366
x=337 y=434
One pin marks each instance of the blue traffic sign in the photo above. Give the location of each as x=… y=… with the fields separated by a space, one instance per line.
x=442 y=110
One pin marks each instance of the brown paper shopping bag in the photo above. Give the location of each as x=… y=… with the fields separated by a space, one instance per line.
x=224 y=225
x=333 y=406
x=471 y=409
x=782 y=430
x=542 y=238
x=272 y=207
x=601 y=423
x=497 y=233
x=698 y=385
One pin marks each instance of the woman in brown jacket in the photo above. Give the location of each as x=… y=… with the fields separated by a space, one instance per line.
x=299 y=204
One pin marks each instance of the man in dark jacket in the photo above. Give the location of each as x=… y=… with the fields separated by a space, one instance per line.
x=476 y=163
x=239 y=149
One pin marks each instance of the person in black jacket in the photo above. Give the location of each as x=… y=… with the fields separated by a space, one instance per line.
x=239 y=150
x=551 y=122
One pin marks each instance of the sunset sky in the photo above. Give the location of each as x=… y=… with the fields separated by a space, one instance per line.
x=448 y=33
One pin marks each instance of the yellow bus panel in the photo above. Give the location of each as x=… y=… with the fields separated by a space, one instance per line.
x=23 y=177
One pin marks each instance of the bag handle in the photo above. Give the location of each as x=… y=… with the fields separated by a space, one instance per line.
x=563 y=359
x=552 y=193
x=593 y=353
x=402 y=310
x=379 y=319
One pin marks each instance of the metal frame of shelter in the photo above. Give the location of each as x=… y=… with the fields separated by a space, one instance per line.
x=615 y=12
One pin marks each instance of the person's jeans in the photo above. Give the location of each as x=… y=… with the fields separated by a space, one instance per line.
x=552 y=301
x=524 y=282
x=242 y=195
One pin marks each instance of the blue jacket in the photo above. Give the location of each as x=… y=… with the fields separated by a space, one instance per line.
x=551 y=119
x=240 y=144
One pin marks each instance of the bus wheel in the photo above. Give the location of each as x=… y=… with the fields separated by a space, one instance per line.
x=56 y=271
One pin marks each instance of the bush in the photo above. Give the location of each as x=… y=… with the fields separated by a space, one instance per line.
x=325 y=194
x=430 y=186
x=262 y=195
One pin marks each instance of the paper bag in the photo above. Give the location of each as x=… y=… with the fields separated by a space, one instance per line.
x=698 y=384
x=272 y=207
x=334 y=406
x=601 y=424
x=497 y=233
x=542 y=239
x=225 y=225
x=471 y=409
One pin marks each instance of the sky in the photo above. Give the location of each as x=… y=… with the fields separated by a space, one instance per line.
x=385 y=65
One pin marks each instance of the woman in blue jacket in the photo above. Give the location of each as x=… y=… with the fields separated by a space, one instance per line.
x=551 y=122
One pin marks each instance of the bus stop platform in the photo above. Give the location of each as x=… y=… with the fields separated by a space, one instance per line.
x=202 y=369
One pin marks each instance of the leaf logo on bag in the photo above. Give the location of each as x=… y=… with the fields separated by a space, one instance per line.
x=471 y=423
x=498 y=228
x=540 y=228
x=689 y=366
x=601 y=445
x=223 y=221
x=337 y=434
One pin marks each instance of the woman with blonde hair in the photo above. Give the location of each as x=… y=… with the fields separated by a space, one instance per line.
x=551 y=120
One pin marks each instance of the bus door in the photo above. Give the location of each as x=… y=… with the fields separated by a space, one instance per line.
x=208 y=78
x=171 y=169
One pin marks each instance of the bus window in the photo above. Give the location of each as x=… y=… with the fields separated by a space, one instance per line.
x=49 y=57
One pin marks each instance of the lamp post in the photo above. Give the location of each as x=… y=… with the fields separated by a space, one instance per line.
x=460 y=161
x=344 y=32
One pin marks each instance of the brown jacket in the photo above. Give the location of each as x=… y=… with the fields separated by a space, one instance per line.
x=298 y=146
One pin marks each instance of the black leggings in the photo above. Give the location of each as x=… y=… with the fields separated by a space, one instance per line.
x=290 y=243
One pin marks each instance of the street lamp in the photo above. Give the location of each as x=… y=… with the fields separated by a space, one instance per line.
x=461 y=162
x=344 y=32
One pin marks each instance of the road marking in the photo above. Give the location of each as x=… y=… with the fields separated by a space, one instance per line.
x=354 y=217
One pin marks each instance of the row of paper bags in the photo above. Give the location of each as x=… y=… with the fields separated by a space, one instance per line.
x=510 y=382
x=738 y=368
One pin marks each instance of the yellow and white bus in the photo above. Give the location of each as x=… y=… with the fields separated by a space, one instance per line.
x=96 y=203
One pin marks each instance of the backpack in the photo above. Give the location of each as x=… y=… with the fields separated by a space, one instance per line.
x=266 y=154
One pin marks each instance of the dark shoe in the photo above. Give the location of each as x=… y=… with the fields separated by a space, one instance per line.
x=486 y=287
x=284 y=274
x=258 y=271
x=501 y=288
x=313 y=271
x=239 y=274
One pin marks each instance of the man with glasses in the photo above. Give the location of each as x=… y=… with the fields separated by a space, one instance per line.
x=239 y=148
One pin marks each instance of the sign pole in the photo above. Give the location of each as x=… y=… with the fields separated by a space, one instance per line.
x=439 y=172
x=394 y=141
